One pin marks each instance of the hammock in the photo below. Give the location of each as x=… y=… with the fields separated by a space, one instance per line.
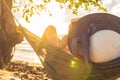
x=63 y=66
x=59 y=64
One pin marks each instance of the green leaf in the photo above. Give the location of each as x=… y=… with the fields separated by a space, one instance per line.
x=61 y=1
x=29 y=8
x=27 y=19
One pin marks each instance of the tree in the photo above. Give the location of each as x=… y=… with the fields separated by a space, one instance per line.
x=9 y=34
x=30 y=7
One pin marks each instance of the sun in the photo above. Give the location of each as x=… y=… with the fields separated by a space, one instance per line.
x=38 y=23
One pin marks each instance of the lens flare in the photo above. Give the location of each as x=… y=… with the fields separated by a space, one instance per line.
x=74 y=64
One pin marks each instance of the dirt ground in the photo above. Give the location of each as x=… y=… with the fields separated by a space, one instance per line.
x=20 y=70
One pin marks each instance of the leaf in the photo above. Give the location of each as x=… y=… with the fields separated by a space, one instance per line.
x=47 y=1
x=31 y=0
x=29 y=7
x=61 y=1
x=27 y=19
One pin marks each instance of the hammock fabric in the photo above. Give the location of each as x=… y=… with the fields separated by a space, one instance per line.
x=59 y=64
x=63 y=66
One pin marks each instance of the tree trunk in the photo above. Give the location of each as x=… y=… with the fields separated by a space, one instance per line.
x=9 y=34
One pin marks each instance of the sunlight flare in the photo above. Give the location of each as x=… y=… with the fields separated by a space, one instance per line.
x=38 y=23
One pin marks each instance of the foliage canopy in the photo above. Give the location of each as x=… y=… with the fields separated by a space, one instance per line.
x=30 y=7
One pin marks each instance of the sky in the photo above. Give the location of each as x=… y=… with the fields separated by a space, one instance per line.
x=61 y=18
